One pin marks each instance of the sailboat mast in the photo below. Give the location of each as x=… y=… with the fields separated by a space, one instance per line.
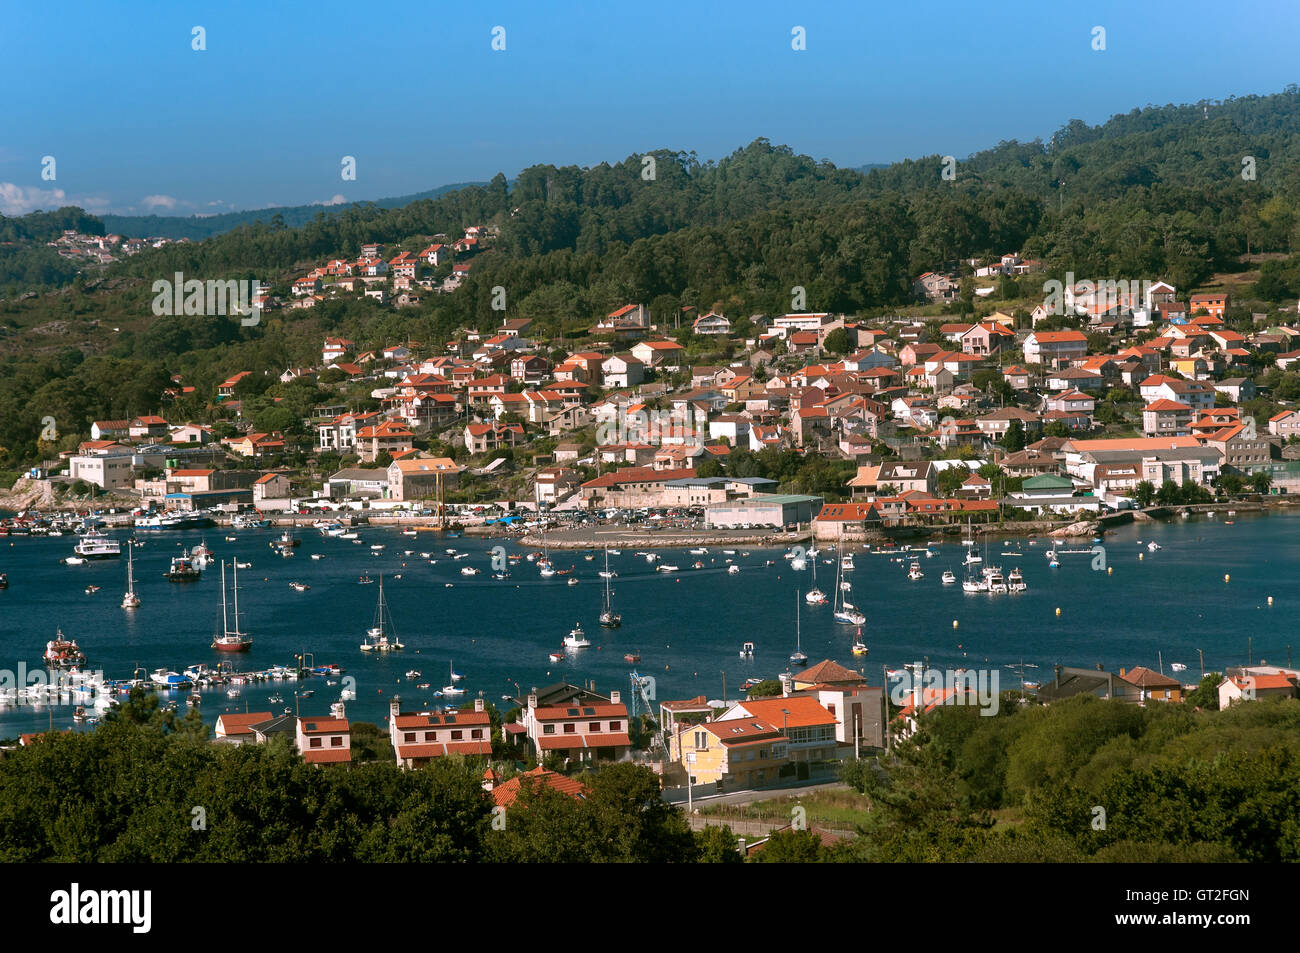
x=225 y=628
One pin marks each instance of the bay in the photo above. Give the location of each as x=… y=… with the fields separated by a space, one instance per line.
x=688 y=626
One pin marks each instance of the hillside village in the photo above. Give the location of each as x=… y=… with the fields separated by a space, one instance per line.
x=1117 y=398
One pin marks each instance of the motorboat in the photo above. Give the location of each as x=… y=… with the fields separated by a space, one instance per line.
x=971 y=584
x=95 y=545
x=733 y=569
x=996 y=581
x=1153 y=547
x=299 y=586
x=949 y=577
x=63 y=653
x=747 y=650
x=632 y=657
x=557 y=656
x=914 y=571
x=168 y=679
x=573 y=581
x=577 y=639
x=183 y=568
x=1015 y=581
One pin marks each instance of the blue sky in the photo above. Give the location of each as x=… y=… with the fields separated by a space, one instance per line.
x=137 y=121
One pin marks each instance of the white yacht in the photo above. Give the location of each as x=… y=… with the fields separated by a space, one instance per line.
x=576 y=639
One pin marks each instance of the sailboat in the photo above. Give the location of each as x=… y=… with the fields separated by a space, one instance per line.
x=859 y=647
x=544 y=567
x=130 y=600
x=814 y=596
x=451 y=688
x=231 y=640
x=799 y=657
x=377 y=636
x=608 y=617
x=844 y=611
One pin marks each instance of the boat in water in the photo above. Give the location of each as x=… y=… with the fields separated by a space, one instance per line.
x=747 y=650
x=95 y=545
x=814 y=596
x=914 y=571
x=608 y=617
x=451 y=688
x=130 y=599
x=380 y=637
x=183 y=568
x=844 y=612
x=949 y=577
x=231 y=640
x=632 y=657
x=1015 y=581
x=798 y=657
x=63 y=653
x=577 y=639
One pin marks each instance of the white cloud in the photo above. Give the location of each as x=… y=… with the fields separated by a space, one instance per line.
x=17 y=200
x=160 y=201
x=20 y=200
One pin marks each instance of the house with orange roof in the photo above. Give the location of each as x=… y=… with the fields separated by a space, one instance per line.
x=1258 y=682
x=324 y=740
x=582 y=732
x=1164 y=417
x=740 y=754
x=1045 y=347
x=508 y=794
x=335 y=348
x=237 y=727
x=418 y=478
x=420 y=737
x=1285 y=424
x=1152 y=685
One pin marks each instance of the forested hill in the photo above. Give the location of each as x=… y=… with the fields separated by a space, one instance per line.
x=1157 y=190
x=199 y=227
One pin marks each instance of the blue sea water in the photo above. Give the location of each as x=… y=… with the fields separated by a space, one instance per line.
x=688 y=626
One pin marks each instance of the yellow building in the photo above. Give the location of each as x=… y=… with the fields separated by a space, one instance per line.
x=735 y=755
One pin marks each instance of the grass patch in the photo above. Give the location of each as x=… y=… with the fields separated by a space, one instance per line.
x=828 y=808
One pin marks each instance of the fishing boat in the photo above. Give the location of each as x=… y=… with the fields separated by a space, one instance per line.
x=632 y=657
x=183 y=568
x=747 y=650
x=949 y=577
x=130 y=600
x=287 y=539
x=63 y=653
x=201 y=556
x=608 y=617
x=378 y=638
x=577 y=639
x=799 y=657
x=557 y=656
x=231 y=640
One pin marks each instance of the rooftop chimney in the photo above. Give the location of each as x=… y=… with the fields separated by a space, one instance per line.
x=614 y=697
x=394 y=706
x=532 y=701
x=478 y=704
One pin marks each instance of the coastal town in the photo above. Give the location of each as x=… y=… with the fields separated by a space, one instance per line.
x=1123 y=399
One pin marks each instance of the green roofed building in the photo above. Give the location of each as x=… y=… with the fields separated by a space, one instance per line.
x=763 y=509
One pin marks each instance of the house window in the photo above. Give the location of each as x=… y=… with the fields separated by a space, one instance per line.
x=314 y=743
x=410 y=736
x=615 y=726
x=456 y=734
x=701 y=740
x=336 y=741
x=548 y=729
x=476 y=733
x=593 y=726
x=568 y=728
